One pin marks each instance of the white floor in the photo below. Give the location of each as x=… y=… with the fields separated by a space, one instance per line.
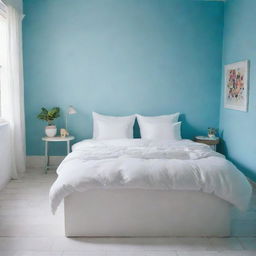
x=27 y=228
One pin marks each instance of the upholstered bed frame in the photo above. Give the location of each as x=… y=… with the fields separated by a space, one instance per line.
x=136 y=212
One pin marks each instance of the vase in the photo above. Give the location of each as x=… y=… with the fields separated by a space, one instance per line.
x=50 y=130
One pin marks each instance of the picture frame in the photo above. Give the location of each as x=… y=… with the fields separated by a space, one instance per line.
x=236 y=87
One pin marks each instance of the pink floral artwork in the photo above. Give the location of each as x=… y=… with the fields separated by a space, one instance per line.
x=236 y=86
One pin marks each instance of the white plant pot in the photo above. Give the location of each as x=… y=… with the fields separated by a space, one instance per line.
x=50 y=130
x=211 y=135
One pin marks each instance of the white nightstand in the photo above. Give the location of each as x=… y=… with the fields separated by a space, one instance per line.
x=55 y=139
x=212 y=142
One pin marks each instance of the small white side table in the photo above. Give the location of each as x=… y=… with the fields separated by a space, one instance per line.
x=55 y=139
x=212 y=142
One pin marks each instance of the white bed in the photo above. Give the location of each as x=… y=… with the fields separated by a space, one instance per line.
x=134 y=212
x=145 y=188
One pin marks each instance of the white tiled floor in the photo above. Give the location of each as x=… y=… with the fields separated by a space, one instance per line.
x=27 y=228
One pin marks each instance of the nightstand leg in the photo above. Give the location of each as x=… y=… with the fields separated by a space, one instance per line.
x=46 y=157
x=68 y=147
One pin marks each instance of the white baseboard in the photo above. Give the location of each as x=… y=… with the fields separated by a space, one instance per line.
x=39 y=161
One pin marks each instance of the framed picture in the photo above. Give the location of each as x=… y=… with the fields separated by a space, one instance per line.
x=236 y=86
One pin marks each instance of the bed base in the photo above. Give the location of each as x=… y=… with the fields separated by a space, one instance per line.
x=133 y=213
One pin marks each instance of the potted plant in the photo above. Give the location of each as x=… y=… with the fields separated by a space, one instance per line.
x=212 y=132
x=49 y=116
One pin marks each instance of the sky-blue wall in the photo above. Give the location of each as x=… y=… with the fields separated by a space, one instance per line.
x=240 y=44
x=120 y=57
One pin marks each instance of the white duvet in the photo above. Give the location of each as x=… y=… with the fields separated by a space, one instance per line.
x=136 y=163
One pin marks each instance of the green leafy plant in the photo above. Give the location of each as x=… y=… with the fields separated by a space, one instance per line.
x=49 y=115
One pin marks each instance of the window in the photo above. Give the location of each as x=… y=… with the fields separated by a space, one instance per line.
x=3 y=49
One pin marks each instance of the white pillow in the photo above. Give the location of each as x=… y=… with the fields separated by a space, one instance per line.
x=162 y=131
x=173 y=118
x=112 y=127
x=160 y=127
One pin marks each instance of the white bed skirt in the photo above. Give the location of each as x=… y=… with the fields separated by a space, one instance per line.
x=135 y=212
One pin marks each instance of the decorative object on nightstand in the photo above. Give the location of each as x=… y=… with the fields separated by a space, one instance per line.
x=70 y=111
x=49 y=116
x=212 y=132
x=55 y=139
x=63 y=133
x=211 y=141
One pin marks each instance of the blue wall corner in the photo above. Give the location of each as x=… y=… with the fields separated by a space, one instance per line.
x=239 y=40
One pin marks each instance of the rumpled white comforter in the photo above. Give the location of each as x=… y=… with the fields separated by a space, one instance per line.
x=136 y=163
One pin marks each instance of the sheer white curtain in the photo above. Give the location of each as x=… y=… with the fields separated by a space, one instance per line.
x=13 y=92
